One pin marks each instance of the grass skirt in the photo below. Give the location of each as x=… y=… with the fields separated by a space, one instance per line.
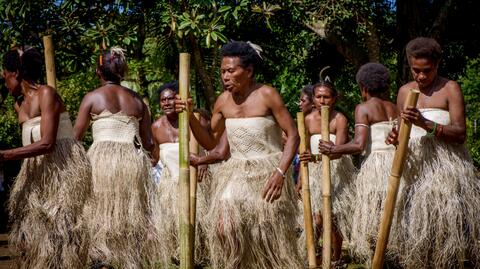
x=244 y=230
x=45 y=206
x=342 y=172
x=442 y=207
x=118 y=219
x=365 y=205
x=166 y=220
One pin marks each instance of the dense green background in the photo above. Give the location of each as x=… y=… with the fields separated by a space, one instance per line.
x=299 y=38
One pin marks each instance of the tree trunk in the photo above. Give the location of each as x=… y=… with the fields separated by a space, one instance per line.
x=372 y=43
x=205 y=78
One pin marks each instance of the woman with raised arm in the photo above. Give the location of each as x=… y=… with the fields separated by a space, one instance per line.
x=48 y=196
x=342 y=169
x=364 y=198
x=253 y=209
x=119 y=217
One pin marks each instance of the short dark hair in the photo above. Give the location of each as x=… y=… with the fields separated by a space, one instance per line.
x=424 y=47
x=11 y=60
x=31 y=65
x=326 y=84
x=374 y=77
x=113 y=65
x=243 y=50
x=308 y=91
x=173 y=85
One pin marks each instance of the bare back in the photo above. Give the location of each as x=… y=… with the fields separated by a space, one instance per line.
x=377 y=110
x=115 y=98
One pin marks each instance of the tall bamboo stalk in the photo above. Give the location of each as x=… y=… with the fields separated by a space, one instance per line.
x=306 y=199
x=186 y=249
x=193 y=188
x=326 y=193
x=50 y=61
x=393 y=183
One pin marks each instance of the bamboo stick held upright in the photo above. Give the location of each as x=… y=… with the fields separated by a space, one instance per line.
x=306 y=199
x=326 y=193
x=393 y=184
x=193 y=186
x=186 y=247
x=50 y=61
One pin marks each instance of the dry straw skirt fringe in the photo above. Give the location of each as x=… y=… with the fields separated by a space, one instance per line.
x=46 y=204
x=119 y=217
x=245 y=231
x=165 y=217
x=364 y=205
x=342 y=172
x=442 y=207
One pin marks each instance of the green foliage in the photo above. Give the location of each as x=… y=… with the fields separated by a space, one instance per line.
x=72 y=89
x=470 y=83
x=10 y=134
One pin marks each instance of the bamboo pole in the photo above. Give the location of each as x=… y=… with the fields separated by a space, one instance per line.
x=326 y=193
x=186 y=249
x=307 y=204
x=393 y=184
x=193 y=188
x=50 y=61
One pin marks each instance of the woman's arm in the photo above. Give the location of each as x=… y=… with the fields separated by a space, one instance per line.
x=50 y=108
x=83 y=117
x=357 y=145
x=220 y=153
x=145 y=130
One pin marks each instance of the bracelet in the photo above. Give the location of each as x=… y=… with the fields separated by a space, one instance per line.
x=281 y=172
x=434 y=130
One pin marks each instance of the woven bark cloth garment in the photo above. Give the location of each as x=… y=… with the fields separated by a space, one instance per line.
x=342 y=172
x=119 y=218
x=245 y=231
x=47 y=200
x=366 y=197
x=165 y=210
x=441 y=209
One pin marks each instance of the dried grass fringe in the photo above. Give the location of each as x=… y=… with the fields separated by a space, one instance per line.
x=365 y=200
x=46 y=203
x=121 y=230
x=442 y=207
x=342 y=172
x=165 y=217
x=244 y=230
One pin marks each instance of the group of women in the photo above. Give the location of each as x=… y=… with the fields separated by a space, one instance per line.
x=436 y=219
x=71 y=208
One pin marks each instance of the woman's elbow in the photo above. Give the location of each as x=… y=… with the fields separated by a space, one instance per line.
x=47 y=147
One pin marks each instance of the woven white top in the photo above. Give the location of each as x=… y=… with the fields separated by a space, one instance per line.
x=169 y=156
x=315 y=141
x=378 y=134
x=252 y=138
x=31 y=129
x=117 y=127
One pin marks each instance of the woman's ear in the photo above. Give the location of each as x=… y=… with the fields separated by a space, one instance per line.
x=250 y=71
